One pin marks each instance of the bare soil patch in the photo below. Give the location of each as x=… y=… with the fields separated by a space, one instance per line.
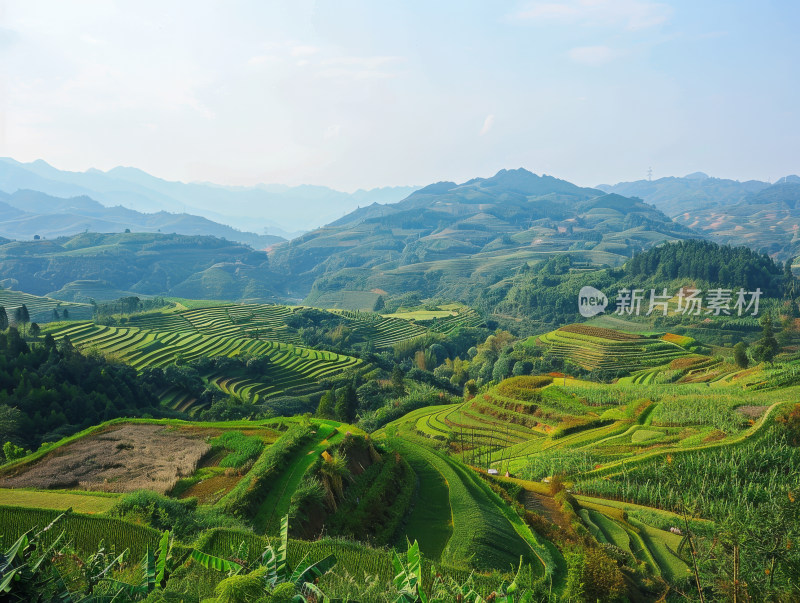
x=752 y=412
x=130 y=457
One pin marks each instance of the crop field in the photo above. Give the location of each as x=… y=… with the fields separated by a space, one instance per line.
x=84 y=531
x=384 y=332
x=177 y=458
x=445 y=320
x=596 y=348
x=59 y=501
x=290 y=366
x=41 y=308
x=276 y=504
x=479 y=525
x=268 y=322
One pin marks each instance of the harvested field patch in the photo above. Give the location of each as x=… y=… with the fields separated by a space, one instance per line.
x=130 y=457
x=752 y=412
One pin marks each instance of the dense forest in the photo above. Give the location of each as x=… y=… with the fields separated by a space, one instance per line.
x=50 y=390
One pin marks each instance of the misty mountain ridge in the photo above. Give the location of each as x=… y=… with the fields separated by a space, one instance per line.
x=675 y=195
x=27 y=213
x=252 y=208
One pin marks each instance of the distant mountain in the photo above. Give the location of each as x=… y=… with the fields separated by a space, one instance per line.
x=278 y=209
x=104 y=266
x=692 y=192
x=28 y=213
x=767 y=221
x=451 y=239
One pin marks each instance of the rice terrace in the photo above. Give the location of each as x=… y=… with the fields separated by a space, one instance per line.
x=374 y=302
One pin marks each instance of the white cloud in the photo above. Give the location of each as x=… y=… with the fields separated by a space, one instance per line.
x=593 y=55
x=304 y=51
x=631 y=14
x=332 y=131
x=262 y=59
x=487 y=124
x=363 y=62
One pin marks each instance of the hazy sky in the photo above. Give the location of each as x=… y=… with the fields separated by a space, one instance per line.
x=360 y=94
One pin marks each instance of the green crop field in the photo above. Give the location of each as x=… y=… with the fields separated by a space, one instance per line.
x=290 y=365
x=595 y=348
x=41 y=308
x=59 y=501
x=563 y=475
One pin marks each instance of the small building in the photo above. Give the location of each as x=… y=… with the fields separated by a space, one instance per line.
x=493 y=472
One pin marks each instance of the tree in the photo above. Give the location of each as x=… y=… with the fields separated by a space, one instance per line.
x=56 y=315
x=470 y=389
x=346 y=403
x=740 y=355
x=767 y=346
x=3 y=318
x=13 y=452
x=21 y=316
x=66 y=314
x=325 y=408
x=397 y=378
x=35 y=330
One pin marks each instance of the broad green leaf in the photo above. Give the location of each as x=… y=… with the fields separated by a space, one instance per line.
x=315 y=570
x=283 y=548
x=148 y=571
x=215 y=563
x=5 y=584
x=164 y=550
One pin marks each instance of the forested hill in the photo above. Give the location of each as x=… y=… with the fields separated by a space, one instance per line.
x=108 y=266
x=547 y=294
x=447 y=238
x=709 y=263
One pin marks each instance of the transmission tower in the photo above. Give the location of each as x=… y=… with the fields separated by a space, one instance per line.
x=649 y=174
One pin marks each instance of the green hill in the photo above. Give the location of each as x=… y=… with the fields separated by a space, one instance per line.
x=448 y=239
x=200 y=267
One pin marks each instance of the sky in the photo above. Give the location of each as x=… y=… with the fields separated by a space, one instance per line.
x=361 y=94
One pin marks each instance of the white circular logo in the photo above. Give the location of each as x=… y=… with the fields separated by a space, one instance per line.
x=591 y=302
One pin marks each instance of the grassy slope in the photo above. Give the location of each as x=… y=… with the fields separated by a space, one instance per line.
x=431 y=520
x=276 y=503
x=483 y=537
x=59 y=501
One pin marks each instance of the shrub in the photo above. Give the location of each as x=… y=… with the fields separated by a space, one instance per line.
x=243 y=448
x=245 y=497
x=182 y=517
x=524 y=387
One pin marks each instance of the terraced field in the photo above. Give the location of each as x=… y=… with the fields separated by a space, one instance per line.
x=484 y=532
x=290 y=366
x=595 y=348
x=384 y=332
x=445 y=320
x=260 y=321
x=267 y=321
x=41 y=308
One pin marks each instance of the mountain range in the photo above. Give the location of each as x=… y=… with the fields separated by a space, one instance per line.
x=447 y=239
x=26 y=214
x=265 y=209
x=696 y=191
